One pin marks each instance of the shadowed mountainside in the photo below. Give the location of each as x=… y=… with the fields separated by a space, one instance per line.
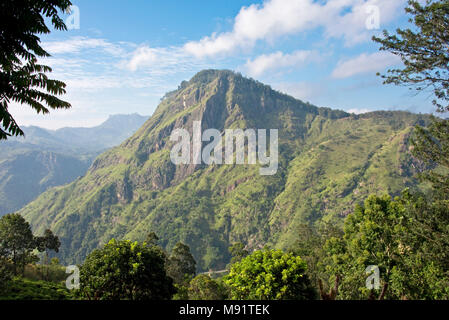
x=47 y=158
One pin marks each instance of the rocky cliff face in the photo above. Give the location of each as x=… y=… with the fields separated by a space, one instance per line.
x=328 y=161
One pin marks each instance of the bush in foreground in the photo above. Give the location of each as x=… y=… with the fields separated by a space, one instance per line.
x=125 y=270
x=270 y=275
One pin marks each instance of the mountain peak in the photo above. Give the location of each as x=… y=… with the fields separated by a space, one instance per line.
x=207 y=76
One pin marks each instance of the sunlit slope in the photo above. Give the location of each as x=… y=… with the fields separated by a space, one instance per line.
x=328 y=160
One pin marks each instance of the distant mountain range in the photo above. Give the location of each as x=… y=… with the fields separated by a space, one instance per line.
x=329 y=160
x=78 y=141
x=46 y=158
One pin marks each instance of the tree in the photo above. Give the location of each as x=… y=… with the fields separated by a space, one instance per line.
x=424 y=269
x=152 y=239
x=407 y=238
x=5 y=273
x=309 y=246
x=181 y=265
x=423 y=272
x=431 y=145
x=202 y=287
x=125 y=270
x=16 y=241
x=372 y=237
x=238 y=252
x=21 y=76
x=425 y=54
x=46 y=243
x=424 y=51
x=270 y=275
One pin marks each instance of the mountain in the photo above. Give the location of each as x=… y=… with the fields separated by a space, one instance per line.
x=74 y=141
x=47 y=158
x=329 y=160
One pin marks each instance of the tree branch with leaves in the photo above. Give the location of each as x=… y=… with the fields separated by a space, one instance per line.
x=423 y=51
x=22 y=79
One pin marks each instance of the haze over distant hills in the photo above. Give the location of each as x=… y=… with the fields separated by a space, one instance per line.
x=74 y=141
x=329 y=160
x=46 y=158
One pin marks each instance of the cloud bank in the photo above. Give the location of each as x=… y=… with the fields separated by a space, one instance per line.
x=345 y=19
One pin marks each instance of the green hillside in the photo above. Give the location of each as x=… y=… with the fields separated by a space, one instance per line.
x=328 y=161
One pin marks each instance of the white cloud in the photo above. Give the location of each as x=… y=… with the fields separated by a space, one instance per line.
x=143 y=56
x=277 y=60
x=95 y=65
x=159 y=60
x=78 y=44
x=105 y=77
x=365 y=63
x=276 y=18
x=89 y=84
x=352 y=26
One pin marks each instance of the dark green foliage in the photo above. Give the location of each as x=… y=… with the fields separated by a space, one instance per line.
x=421 y=271
x=48 y=242
x=21 y=77
x=238 y=252
x=429 y=218
x=152 y=239
x=181 y=266
x=270 y=275
x=431 y=145
x=16 y=241
x=202 y=287
x=309 y=246
x=423 y=50
x=5 y=273
x=17 y=244
x=125 y=270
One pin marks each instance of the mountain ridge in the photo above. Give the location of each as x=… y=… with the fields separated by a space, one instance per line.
x=328 y=161
x=80 y=139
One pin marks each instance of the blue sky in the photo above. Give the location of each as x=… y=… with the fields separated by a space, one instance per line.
x=127 y=54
